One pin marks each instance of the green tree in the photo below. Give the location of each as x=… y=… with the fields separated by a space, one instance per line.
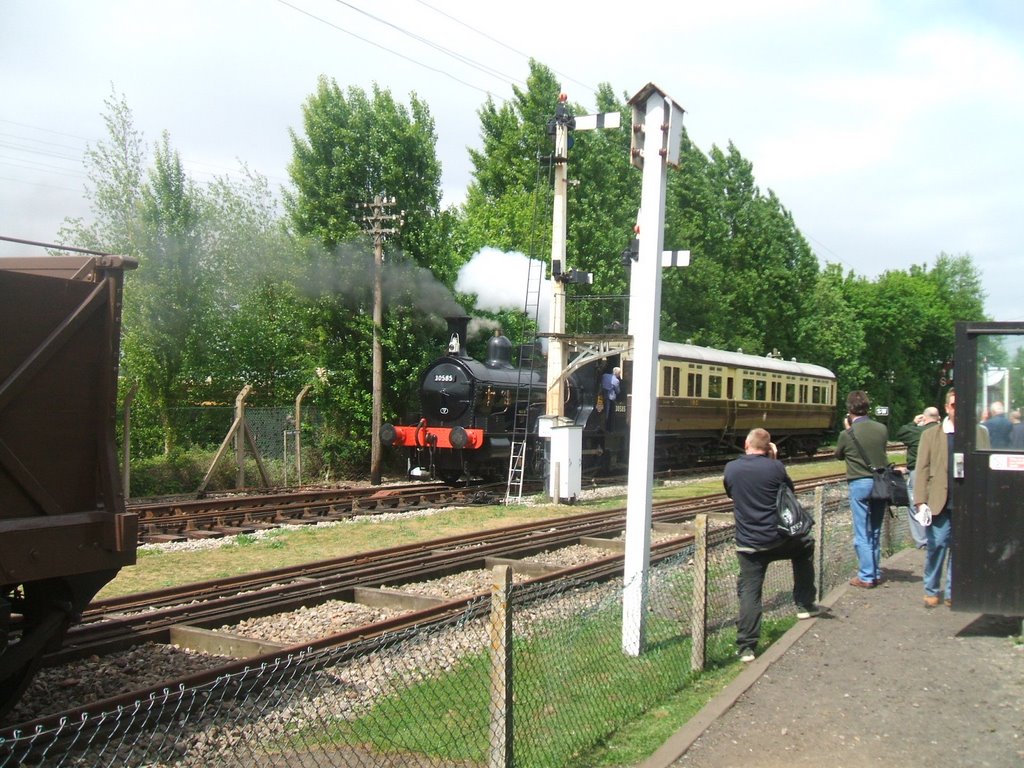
x=508 y=202
x=167 y=299
x=258 y=316
x=357 y=146
x=115 y=169
x=751 y=270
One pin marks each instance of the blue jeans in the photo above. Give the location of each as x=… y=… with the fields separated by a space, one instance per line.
x=917 y=531
x=940 y=538
x=867 y=529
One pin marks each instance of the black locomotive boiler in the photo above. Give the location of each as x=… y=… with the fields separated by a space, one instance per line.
x=64 y=532
x=707 y=401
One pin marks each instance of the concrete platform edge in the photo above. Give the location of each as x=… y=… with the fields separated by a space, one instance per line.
x=676 y=746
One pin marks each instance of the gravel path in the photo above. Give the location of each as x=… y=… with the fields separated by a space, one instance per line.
x=877 y=681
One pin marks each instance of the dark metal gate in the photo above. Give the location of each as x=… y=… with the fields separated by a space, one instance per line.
x=988 y=485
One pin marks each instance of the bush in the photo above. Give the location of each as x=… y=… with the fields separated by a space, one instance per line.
x=182 y=471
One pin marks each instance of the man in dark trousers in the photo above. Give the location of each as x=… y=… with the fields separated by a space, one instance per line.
x=752 y=482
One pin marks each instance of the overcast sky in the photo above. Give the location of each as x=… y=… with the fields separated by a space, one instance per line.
x=891 y=130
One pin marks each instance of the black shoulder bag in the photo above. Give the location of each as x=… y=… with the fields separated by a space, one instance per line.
x=888 y=483
x=792 y=519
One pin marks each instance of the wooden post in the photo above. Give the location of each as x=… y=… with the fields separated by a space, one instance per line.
x=699 y=614
x=500 y=631
x=298 y=433
x=126 y=440
x=886 y=543
x=240 y=436
x=820 y=541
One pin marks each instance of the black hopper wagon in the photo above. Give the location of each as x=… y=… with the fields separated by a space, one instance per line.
x=64 y=532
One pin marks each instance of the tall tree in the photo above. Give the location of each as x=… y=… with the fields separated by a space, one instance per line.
x=508 y=203
x=357 y=146
x=115 y=169
x=167 y=298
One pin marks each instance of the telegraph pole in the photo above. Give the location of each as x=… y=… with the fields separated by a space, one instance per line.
x=379 y=222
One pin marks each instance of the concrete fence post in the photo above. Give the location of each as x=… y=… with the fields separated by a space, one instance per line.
x=500 y=631
x=699 y=614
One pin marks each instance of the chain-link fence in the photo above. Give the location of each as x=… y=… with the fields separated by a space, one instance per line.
x=542 y=689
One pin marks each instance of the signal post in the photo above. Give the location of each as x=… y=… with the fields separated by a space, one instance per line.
x=564 y=436
x=656 y=137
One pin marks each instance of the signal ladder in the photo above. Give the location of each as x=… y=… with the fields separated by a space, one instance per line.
x=524 y=390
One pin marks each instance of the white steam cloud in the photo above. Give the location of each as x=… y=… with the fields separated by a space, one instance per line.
x=500 y=280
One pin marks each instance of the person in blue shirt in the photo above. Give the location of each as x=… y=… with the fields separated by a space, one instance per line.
x=610 y=384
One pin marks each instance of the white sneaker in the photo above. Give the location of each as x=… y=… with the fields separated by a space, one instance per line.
x=746 y=656
x=808 y=612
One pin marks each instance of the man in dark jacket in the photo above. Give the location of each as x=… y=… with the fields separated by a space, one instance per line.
x=752 y=482
x=862 y=445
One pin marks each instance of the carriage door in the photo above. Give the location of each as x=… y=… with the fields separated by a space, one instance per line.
x=988 y=469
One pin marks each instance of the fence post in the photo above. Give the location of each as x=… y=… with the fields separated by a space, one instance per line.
x=886 y=543
x=500 y=631
x=819 y=526
x=699 y=614
x=126 y=441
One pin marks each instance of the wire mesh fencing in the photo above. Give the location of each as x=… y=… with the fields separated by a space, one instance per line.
x=532 y=675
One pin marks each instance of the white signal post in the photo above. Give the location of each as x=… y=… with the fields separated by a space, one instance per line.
x=559 y=451
x=657 y=131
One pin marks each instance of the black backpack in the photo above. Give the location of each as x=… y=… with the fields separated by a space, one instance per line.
x=791 y=517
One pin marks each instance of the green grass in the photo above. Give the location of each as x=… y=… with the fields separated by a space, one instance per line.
x=578 y=699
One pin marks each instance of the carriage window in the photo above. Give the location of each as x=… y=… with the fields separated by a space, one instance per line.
x=815 y=394
x=791 y=393
x=776 y=391
x=803 y=393
x=760 y=389
x=670 y=382
x=714 y=386
x=748 y=389
x=693 y=384
x=730 y=390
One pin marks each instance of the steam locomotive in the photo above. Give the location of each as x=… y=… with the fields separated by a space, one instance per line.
x=707 y=402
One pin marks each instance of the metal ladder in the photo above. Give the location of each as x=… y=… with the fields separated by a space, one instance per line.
x=521 y=422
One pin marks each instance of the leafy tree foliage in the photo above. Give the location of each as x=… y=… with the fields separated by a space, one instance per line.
x=115 y=169
x=357 y=146
x=167 y=299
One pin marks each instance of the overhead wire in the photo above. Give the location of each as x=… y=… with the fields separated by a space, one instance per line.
x=495 y=40
x=485 y=68
x=386 y=49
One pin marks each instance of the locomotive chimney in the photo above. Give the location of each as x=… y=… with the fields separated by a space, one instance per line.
x=457 y=332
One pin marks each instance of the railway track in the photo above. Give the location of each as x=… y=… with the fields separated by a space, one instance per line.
x=157 y=617
x=177 y=520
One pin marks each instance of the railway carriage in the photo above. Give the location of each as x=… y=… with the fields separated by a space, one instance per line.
x=709 y=399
